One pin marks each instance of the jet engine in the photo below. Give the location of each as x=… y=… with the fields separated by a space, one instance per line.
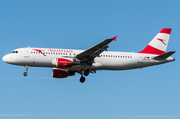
x=64 y=62
x=59 y=73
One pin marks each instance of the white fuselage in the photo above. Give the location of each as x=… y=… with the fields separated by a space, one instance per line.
x=108 y=60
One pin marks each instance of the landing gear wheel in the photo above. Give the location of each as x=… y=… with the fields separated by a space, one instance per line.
x=82 y=79
x=86 y=72
x=25 y=73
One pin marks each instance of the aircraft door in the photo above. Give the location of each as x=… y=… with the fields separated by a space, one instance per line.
x=139 y=58
x=26 y=52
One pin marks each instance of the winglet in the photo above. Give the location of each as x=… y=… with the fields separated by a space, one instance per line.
x=114 y=38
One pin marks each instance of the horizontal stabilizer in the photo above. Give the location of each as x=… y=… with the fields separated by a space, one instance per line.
x=164 y=56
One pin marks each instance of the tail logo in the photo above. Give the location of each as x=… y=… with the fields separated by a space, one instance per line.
x=161 y=40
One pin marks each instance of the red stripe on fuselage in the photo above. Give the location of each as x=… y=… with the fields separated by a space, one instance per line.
x=151 y=50
x=166 y=30
x=40 y=51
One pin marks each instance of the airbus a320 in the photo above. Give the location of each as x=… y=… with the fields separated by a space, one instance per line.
x=68 y=62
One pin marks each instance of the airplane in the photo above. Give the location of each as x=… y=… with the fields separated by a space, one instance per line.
x=67 y=62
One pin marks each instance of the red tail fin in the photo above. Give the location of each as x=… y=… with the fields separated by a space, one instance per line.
x=158 y=45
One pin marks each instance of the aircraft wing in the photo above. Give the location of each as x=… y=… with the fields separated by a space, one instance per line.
x=91 y=53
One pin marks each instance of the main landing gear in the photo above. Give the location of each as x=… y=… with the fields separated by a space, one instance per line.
x=25 y=73
x=82 y=79
x=86 y=73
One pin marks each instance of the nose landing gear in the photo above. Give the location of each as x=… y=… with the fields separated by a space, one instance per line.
x=25 y=73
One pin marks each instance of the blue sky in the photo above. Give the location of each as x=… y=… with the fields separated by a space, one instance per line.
x=151 y=92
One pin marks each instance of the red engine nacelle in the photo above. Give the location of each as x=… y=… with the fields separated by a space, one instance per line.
x=58 y=73
x=62 y=62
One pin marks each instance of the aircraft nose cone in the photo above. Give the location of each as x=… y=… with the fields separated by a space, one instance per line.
x=4 y=58
x=10 y=59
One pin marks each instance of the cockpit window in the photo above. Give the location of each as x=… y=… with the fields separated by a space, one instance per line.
x=14 y=52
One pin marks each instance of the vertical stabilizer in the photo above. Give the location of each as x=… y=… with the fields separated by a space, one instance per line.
x=159 y=43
